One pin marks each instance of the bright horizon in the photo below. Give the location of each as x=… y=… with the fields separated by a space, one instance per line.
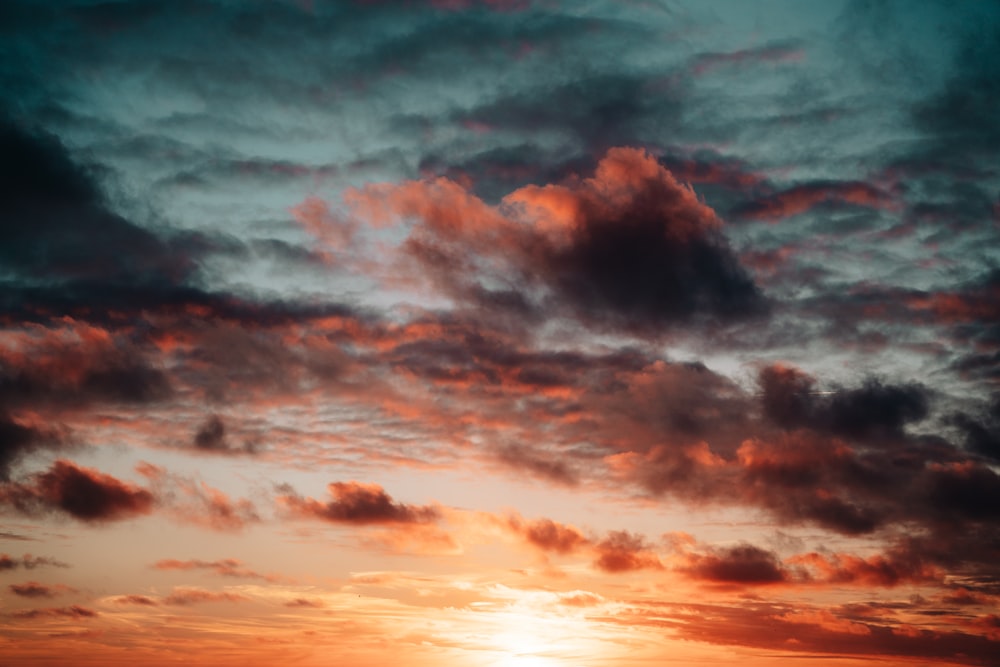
x=516 y=333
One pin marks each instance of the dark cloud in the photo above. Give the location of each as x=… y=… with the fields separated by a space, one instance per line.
x=360 y=504
x=83 y=372
x=981 y=431
x=622 y=551
x=540 y=465
x=33 y=589
x=16 y=536
x=960 y=116
x=740 y=564
x=656 y=259
x=58 y=229
x=550 y=535
x=83 y=493
x=28 y=562
x=211 y=434
x=630 y=248
x=898 y=566
x=19 y=440
x=963 y=490
x=69 y=253
x=804 y=478
x=212 y=437
x=75 y=612
x=873 y=410
x=770 y=626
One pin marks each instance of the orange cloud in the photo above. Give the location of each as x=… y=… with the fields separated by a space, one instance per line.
x=622 y=551
x=189 y=596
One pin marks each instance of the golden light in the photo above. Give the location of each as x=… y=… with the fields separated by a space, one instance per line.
x=527 y=661
x=531 y=639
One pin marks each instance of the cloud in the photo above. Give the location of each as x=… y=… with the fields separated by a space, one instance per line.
x=188 y=596
x=957 y=117
x=549 y=535
x=16 y=536
x=872 y=411
x=889 y=570
x=73 y=363
x=981 y=431
x=630 y=247
x=963 y=597
x=774 y=626
x=741 y=564
x=305 y=603
x=139 y=600
x=769 y=54
x=524 y=459
x=63 y=246
x=75 y=612
x=19 y=440
x=227 y=567
x=211 y=437
x=802 y=198
x=28 y=562
x=197 y=503
x=581 y=599
x=711 y=168
x=33 y=589
x=83 y=493
x=359 y=504
x=622 y=551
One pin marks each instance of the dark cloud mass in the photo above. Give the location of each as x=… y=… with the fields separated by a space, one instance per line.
x=18 y=440
x=792 y=400
x=622 y=551
x=627 y=248
x=59 y=230
x=361 y=504
x=742 y=564
x=981 y=431
x=83 y=493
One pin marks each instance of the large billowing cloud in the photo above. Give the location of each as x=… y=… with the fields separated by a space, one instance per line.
x=629 y=247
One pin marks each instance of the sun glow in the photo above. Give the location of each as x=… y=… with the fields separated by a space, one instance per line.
x=527 y=661
x=529 y=639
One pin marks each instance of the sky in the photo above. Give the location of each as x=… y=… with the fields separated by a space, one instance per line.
x=505 y=333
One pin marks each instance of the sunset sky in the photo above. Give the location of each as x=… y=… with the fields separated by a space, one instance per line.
x=504 y=333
